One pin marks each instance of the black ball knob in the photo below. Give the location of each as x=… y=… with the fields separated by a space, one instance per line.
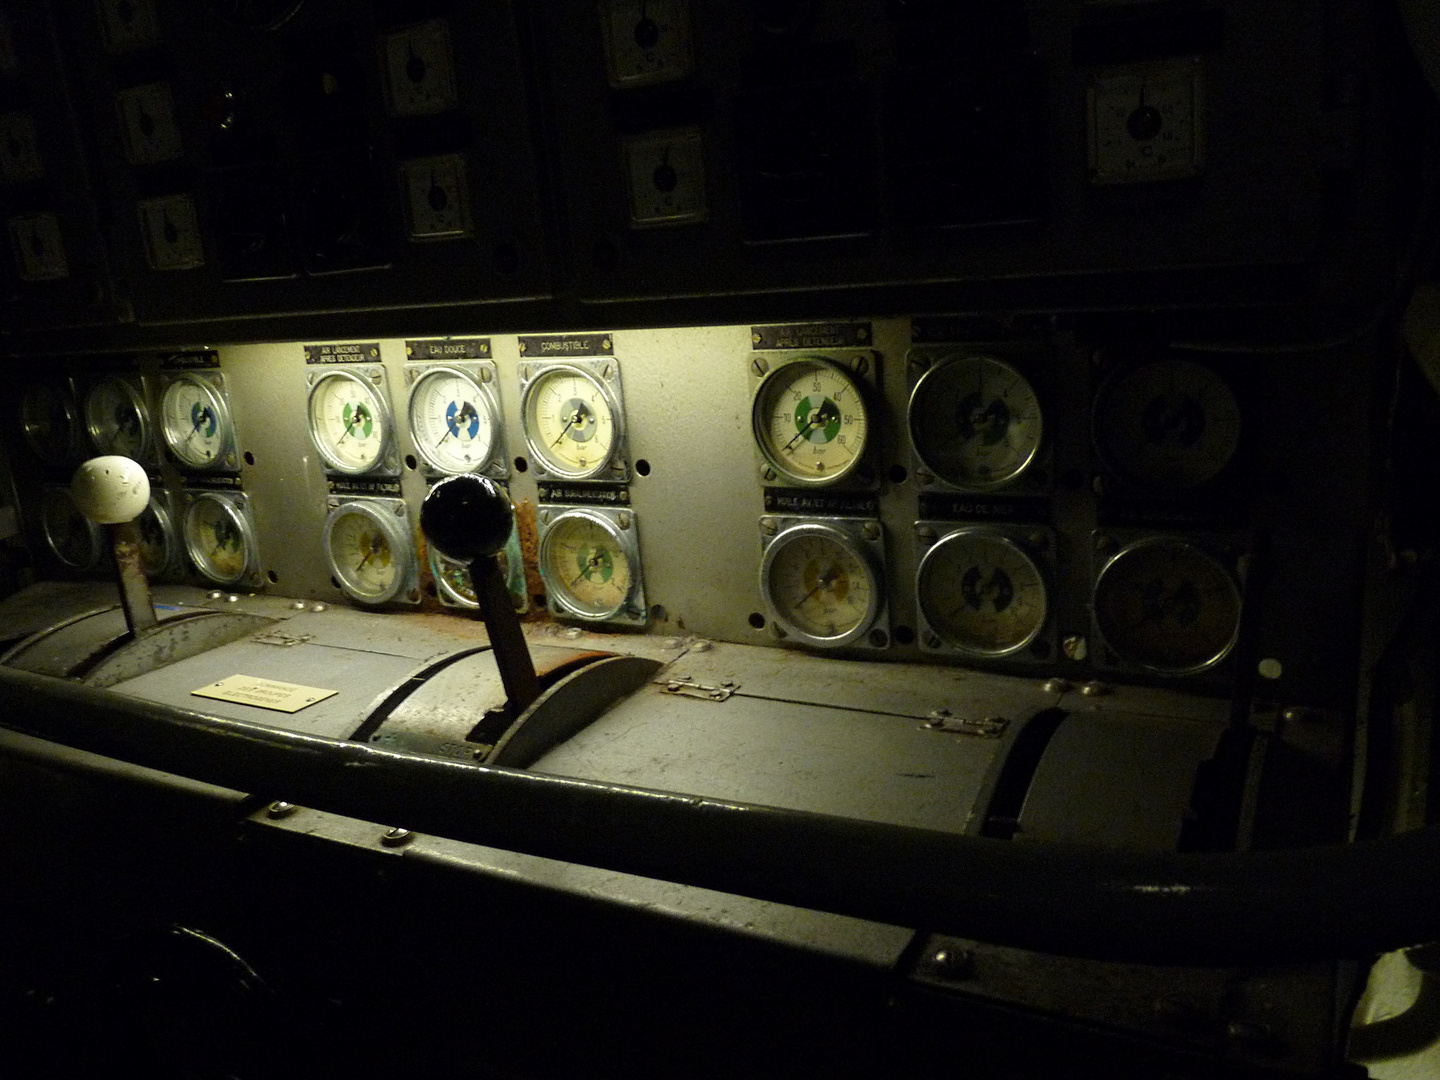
x=467 y=517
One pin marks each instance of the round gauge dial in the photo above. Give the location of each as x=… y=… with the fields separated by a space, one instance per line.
x=218 y=538
x=980 y=592
x=586 y=565
x=1171 y=424
x=821 y=585
x=349 y=423
x=116 y=419
x=158 y=545
x=75 y=540
x=572 y=423
x=975 y=422
x=452 y=579
x=452 y=420
x=368 y=551
x=1166 y=605
x=196 y=423
x=810 y=421
x=48 y=420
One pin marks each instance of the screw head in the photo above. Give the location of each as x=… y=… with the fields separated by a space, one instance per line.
x=767 y=472
x=396 y=836
x=860 y=365
x=279 y=809
x=1075 y=647
x=1056 y=686
x=768 y=526
x=871 y=530
x=759 y=366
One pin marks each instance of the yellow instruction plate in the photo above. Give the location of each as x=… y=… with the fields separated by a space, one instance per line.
x=264 y=693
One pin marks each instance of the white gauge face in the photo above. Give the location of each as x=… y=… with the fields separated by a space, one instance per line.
x=981 y=593
x=116 y=418
x=368 y=555
x=571 y=424
x=452 y=579
x=821 y=586
x=196 y=423
x=452 y=421
x=157 y=541
x=48 y=420
x=1145 y=124
x=73 y=538
x=810 y=421
x=1169 y=425
x=586 y=566
x=349 y=423
x=975 y=422
x=217 y=538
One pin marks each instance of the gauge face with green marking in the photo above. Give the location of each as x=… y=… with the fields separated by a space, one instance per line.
x=821 y=586
x=369 y=553
x=218 y=538
x=116 y=418
x=975 y=422
x=349 y=423
x=810 y=421
x=572 y=422
x=586 y=565
x=195 y=422
x=981 y=593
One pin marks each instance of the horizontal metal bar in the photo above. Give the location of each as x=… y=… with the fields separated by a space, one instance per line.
x=1149 y=907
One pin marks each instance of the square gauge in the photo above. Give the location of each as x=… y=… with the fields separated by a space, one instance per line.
x=148 y=125
x=19 y=148
x=39 y=250
x=666 y=174
x=646 y=41
x=1145 y=123
x=419 y=71
x=171 y=229
x=437 y=197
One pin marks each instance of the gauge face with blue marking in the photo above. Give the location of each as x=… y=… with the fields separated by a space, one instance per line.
x=218 y=538
x=196 y=423
x=117 y=420
x=452 y=421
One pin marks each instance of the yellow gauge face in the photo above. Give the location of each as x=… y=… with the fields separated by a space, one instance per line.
x=348 y=422
x=1166 y=605
x=570 y=423
x=452 y=421
x=975 y=422
x=363 y=555
x=820 y=587
x=153 y=525
x=585 y=566
x=981 y=593
x=73 y=539
x=116 y=418
x=195 y=423
x=216 y=539
x=48 y=421
x=810 y=421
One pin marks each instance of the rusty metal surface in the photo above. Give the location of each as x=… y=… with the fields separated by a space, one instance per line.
x=185 y=635
x=74 y=645
x=134 y=586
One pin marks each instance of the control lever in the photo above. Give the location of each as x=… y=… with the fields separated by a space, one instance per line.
x=468 y=519
x=113 y=491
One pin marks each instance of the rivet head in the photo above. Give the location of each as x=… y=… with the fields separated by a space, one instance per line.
x=280 y=809
x=395 y=837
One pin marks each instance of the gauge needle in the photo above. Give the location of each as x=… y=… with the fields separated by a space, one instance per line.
x=203 y=418
x=593 y=562
x=576 y=417
x=827 y=579
x=820 y=417
x=452 y=427
x=358 y=417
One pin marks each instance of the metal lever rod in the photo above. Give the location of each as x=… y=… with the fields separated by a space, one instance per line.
x=113 y=491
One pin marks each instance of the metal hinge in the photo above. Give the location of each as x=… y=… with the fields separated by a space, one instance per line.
x=281 y=638
x=987 y=727
x=688 y=687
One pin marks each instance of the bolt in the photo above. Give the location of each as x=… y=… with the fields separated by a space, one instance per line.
x=767 y=526
x=767 y=473
x=871 y=530
x=395 y=837
x=214 y=594
x=860 y=365
x=758 y=366
x=622 y=519
x=523 y=350
x=1075 y=647
x=925 y=533
x=399 y=509
x=954 y=963
x=485 y=375
x=298 y=605
x=232 y=598
x=755 y=339
x=1094 y=689
x=606 y=344
x=317 y=608
x=1056 y=686
x=280 y=809
x=607 y=372
x=544 y=517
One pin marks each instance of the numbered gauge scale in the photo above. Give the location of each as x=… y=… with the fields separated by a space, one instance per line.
x=117 y=419
x=349 y=420
x=981 y=592
x=590 y=560
x=370 y=551
x=195 y=422
x=975 y=422
x=219 y=537
x=811 y=420
x=823 y=582
x=72 y=537
x=49 y=423
x=454 y=418
x=573 y=419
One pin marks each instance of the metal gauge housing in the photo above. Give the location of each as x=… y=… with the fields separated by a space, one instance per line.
x=349 y=420
x=370 y=551
x=810 y=421
x=47 y=418
x=590 y=561
x=117 y=420
x=452 y=581
x=574 y=426
x=159 y=546
x=219 y=537
x=455 y=419
x=823 y=585
x=981 y=593
x=1166 y=605
x=975 y=422
x=1169 y=425
x=195 y=423
x=72 y=537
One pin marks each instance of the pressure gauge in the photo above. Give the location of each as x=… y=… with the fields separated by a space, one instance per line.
x=452 y=581
x=454 y=420
x=73 y=538
x=1145 y=123
x=821 y=584
x=159 y=547
x=591 y=565
x=349 y=422
x=195 y=422
x=1168 y=606
x=1170 y=425
x=218 y=537
x=810 y=421
x=981 y=593
x=117 y=420
x=573 y=423
x=369 y=550
x=975 y=422
x=47 y=417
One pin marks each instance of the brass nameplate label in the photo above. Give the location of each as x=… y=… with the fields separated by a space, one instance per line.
x=264 y=693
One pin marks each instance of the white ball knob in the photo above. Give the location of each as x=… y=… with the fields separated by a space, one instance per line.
x=110 y=490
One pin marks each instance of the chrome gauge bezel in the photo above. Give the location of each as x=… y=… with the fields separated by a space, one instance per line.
x=56 y=497
x=55 y=449
x=1108 y=574
x=170 y=543
x=370 y=379
x=481 y=376
x=390 y=517
x=944 y=367
x=176 y=438
x=850 y=536
x=930 y=624
x=235 y=507
x=95 y=427
x=621 y=527
x=604 y=376
x=776 y=381
x=440 y=567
